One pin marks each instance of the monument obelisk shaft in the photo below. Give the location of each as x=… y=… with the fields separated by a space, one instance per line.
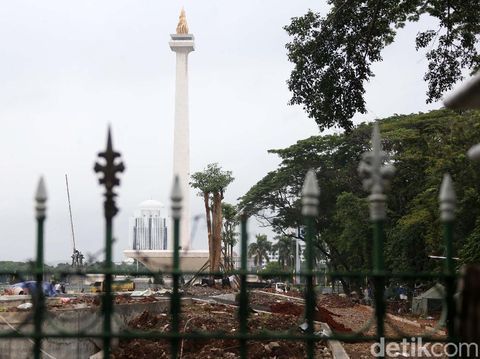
x=182 y=43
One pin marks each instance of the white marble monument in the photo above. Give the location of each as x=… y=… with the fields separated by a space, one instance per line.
x=182 y=43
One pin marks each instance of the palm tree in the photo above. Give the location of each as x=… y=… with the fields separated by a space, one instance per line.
x=229 y=235
x=259 y=250
x=286 y=251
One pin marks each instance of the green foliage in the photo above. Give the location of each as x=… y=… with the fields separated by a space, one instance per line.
x=259 y=250
x=211 y=180
x=275 y=271
x=286 y=248
x=59 y=271
x=230 y=222
x=470 y=253
x=349 y=231
x=422 y=147
x=333 y=54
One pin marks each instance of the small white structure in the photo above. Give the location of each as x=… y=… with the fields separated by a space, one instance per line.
x=147 y=228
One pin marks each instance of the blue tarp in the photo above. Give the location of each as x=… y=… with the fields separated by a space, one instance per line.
x=31 y=286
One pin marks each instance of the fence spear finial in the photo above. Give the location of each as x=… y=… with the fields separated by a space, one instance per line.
x=41 y=199
x=447 y=199
x=109 y=166
x=310 y=193
x=474 y=152
x=376 y=176
x=176 y=198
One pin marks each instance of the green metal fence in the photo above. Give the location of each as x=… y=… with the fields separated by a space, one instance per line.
x=375 y=176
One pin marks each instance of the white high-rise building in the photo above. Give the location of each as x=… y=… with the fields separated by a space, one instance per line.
x=148 y=228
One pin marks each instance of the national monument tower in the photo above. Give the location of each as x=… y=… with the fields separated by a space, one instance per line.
x=182 y=43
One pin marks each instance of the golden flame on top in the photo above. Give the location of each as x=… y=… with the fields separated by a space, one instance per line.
x=182 y=27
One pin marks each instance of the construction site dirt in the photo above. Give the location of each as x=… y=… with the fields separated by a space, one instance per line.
x=208 y=317
x=215 y=309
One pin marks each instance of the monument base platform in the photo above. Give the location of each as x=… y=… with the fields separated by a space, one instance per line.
x=162 y=260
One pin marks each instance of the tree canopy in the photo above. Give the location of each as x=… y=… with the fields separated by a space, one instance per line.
x=212 y=179
x=211 y=183
x=422 y=147
x=333 y=54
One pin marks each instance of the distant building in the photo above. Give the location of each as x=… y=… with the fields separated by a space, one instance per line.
x=273 y=256
x=147 y=228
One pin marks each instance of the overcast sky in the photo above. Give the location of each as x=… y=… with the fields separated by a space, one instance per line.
x=70 y=68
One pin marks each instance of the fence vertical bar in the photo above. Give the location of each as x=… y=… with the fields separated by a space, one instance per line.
x=375 y=179
x=243 y=299
x=109 y=169
x=40 y=199
x=310 y=193
x=176 y=198
x=447 y=199
x=379 y=280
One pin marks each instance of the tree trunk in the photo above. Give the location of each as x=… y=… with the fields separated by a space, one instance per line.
x=346 y=286
x=208 y=216
x=217 y=230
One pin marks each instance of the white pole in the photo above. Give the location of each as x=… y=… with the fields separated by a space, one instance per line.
x=297 y=260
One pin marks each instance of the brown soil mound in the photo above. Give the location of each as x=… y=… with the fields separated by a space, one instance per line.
x=321 y=315
x=148 y=321
x=335 y=301
x=324 y=315
x=214 y=318
x=286 y=308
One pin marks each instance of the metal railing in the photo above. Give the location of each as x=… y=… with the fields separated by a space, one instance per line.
x=375 y=176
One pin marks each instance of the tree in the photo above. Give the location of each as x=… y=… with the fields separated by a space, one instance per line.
x=286 y=248
x=229 y=235
x=333 y=54
x=275 y=271
x=259 y=250
x=470 y=253
x=422 y=147
x=212 y=183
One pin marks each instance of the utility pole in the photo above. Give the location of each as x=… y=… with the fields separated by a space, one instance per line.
x=77 y=256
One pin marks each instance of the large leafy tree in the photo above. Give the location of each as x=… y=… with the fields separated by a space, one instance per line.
x=212 y=183
x=422 y=147
x=333 y=54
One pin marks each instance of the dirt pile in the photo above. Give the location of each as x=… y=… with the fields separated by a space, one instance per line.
x=321 y=315
x=335 y=301
x=398 y=307
x=206 y=317
x=199 y=291
x=149 y=321
x=287 y=308
x=326 y=316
